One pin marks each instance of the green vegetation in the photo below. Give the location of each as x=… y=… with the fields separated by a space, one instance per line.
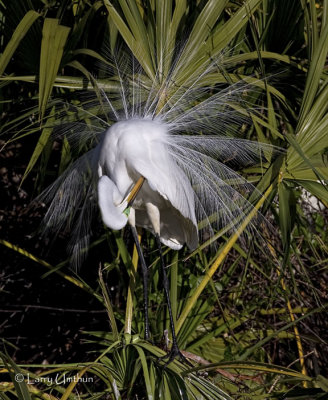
x=256 y=328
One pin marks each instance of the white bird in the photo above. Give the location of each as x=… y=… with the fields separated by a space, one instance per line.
x=135 y=151
x=165 y=204
x=163 y=165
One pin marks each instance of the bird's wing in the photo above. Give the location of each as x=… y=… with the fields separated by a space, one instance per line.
x=165 y=177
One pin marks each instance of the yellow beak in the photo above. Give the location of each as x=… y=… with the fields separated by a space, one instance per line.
x=135 y=190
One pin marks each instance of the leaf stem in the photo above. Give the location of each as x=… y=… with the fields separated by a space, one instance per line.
x=129 y=301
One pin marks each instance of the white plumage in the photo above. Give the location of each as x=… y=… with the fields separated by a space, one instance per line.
x=135 y=148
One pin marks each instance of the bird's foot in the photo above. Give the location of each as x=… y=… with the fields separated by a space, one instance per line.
x=172 y=355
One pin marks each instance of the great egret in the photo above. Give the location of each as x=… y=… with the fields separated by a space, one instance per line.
x=134 y=154
x=165 y=163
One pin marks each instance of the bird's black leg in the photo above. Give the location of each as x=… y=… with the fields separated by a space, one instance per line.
x=145 y=279
x=174 y=352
